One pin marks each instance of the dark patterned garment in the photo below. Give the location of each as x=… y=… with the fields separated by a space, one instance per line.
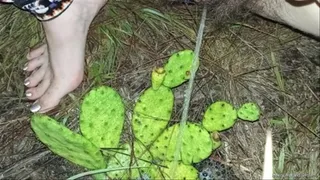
x=42 y=9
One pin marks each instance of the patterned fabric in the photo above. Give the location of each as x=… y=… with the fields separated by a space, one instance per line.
x=42 y=9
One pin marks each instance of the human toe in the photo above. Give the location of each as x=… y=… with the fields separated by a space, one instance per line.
x=37 y=62
x=36 y=52
x=36 y=92
x=48 y=101
x=36 y=77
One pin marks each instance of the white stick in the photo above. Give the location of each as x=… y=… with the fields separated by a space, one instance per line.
x=268 y=160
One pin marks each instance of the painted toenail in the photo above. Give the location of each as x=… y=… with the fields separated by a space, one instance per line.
x=26 y=82
x=25 y=67
x=35 y=107
x=28 y=94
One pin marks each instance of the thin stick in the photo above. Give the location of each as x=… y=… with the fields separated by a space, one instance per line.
x=268 y=160
x=189 y=90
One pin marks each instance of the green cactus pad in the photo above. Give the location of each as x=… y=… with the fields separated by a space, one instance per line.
x=102 y=117
x=178 y=68
x=157 y=77
x=181 y=171
x=196 y=144
x=249 y=112
x=152 y=113
x=124 y=158
x=143 y=158
x=66 y=143
x=219 y=116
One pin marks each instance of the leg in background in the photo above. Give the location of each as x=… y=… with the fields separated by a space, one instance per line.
x=303 y=15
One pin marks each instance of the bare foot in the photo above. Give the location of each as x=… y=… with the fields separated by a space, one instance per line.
x=66 y=37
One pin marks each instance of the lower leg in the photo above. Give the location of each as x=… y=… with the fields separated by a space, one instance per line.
x=302 y=15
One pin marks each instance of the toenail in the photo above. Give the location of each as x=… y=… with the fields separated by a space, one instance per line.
x=26 y=82
x=28 y=94
x=35 y=107
x=25 y=67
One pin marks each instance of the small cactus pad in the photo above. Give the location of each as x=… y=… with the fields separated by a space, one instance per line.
x=249 y=112
x=219 y=116
x=178 y=68
x=196 y=144
x=181 y=171
x=66 y=143
x=215 y=140
x=157 y=77
x=102 y=117
x=152 y=113
x=124 y=158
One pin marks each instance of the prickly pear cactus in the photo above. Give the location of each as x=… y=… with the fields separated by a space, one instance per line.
x=66 y=143
x=157 y=77
x=124 y=158
x=249 y=112
x=219 y=116
x=152 y=113
x=102 y=117
x=181 y=171
x=196 y=144
x=178 y=68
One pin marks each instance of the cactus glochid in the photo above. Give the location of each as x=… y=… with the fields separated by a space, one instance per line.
x=196 y=144
x=152 y=113
x=178 y=68
x=249 y=112
x=219 y=116
x=102 y=117
x=66 y=143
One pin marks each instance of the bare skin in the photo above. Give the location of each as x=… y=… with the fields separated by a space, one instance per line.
x=299 y=14
x=57 y=67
